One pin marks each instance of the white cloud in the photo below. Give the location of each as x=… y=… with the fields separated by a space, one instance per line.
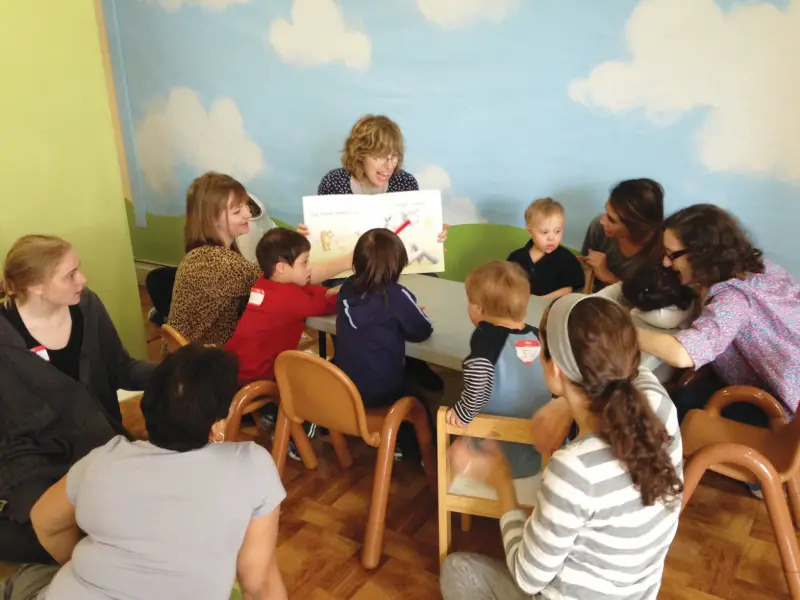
x=318 y=34
x=456 y=210
x=452 y=14
x=173 y=5
x=740 y=65
x=182 y=132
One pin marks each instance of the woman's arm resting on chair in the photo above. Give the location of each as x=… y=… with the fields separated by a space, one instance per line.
x=53 y=520
x=257 y=566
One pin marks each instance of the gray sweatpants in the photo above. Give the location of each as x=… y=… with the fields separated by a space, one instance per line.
x=27 y=582
x=468 y=576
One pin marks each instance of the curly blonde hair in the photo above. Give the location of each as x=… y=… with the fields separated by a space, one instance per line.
x=372 y=135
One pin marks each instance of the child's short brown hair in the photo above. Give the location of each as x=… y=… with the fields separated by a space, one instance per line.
x=543 y=207
x=280 y=245
x=501 y=289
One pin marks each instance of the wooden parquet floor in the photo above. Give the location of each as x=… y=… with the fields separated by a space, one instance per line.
x=724 y=547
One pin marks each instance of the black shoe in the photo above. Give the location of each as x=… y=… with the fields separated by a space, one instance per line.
x=155 y=317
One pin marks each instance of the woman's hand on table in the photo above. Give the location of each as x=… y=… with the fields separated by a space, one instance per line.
x=550 y=425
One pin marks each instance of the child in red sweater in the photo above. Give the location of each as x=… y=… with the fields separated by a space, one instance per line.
x=280 y=301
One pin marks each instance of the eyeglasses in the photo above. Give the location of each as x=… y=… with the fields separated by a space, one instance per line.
x=673 y=256
x=389 y=158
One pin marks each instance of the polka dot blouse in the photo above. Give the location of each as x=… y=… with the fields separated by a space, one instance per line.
x=338 y=182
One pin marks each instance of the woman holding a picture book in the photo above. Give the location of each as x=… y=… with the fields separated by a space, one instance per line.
x=372 y=162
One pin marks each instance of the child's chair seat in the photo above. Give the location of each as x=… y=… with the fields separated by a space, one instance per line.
x=526 y=488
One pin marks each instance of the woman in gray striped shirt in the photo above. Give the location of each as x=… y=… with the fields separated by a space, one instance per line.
x=608 y=506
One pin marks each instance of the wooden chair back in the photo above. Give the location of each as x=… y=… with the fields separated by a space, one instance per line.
x=588 y=275
x=172 y=338
x=312 y=389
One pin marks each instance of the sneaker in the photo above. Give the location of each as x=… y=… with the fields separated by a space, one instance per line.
x=268 y=417
x=398 y=454
x=311 y=432
x=755 y=490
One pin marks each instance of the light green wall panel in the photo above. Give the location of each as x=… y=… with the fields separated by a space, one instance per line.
x=58 y=159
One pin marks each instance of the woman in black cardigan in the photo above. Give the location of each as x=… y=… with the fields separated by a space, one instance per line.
x=61 y=363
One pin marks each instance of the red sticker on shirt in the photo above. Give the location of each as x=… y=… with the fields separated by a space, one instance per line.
x=41 y=351
x=527 y=350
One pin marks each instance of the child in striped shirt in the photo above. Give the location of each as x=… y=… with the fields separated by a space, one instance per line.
x=607 y=509
x=502 y=375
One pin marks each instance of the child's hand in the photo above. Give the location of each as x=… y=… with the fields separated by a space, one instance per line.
x=443 y=234
x=452 y=419
x=333 y=291
x=302 y=229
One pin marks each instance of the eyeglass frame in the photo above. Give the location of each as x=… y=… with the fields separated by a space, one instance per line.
x=673 y=256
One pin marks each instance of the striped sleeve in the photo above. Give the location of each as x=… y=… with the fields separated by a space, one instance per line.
x=537 y=549
x=478 y=382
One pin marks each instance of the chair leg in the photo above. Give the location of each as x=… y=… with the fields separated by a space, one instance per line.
x=422 y=428
x=748 y=458
x=784 y=533
x=466 y=522
x=376 y=522
x=793 y=493
x=445 y=524
x=339 y=443
x=303 y=445
x=280 y=444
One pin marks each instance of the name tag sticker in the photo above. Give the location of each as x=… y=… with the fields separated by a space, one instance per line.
x=256 y=297
x=41 y=351
x=527 y=350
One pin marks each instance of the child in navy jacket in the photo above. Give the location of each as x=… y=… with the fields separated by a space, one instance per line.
x=375 y=318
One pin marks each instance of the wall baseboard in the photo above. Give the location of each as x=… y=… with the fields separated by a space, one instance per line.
x=143 y=268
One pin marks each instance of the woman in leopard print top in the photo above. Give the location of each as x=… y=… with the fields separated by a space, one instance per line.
x=213 y=279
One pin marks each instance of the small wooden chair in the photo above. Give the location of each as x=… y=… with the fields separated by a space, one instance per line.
x=766 y=456
x=172 y=338
x=312 y=389
x=506 y=429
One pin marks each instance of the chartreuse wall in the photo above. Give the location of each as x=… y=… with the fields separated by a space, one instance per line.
x=58 y=161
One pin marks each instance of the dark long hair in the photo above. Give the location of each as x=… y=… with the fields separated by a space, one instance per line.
x=653 y=286
x=640 y=206
x=718 y=246
x=603 y=340
x=378 y=260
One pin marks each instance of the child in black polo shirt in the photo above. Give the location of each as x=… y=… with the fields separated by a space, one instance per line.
x=552 y=270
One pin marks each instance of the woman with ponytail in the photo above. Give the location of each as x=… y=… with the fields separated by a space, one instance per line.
x=607 y=509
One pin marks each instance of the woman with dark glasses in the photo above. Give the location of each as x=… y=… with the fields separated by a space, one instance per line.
x=749 y=327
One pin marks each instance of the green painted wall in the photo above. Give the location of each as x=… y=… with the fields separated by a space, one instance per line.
x=58 y=163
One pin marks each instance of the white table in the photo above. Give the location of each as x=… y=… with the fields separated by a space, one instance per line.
x=445 y=304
